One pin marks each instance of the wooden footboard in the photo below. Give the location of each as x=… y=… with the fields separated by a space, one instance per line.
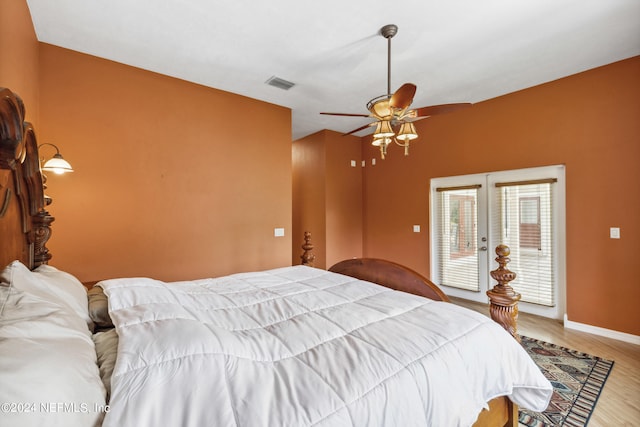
x=390 y=275
x=502 y=412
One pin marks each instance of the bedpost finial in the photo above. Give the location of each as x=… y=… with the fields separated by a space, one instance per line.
x=503 y=299
x=503 y=251
x=307 y=257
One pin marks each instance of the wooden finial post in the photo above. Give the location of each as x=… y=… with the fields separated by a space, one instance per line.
x=504 y=300
x=307 y=256
x=39 y=236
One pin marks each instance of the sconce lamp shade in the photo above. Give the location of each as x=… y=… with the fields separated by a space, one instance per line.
x=57 y=165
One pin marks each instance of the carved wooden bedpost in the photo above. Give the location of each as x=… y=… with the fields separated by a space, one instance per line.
x=504 y=300
x=307 y=256
x=39 y=236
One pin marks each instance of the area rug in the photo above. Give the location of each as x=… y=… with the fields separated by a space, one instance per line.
x=577 y=380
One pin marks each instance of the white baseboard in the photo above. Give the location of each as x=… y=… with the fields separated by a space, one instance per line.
x=596 y=330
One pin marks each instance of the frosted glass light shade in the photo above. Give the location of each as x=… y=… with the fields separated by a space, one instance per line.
x=57 y=165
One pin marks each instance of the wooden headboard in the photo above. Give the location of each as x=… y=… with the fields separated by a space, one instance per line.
x=25 y=225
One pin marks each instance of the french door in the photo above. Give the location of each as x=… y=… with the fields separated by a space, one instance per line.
x=524 y=209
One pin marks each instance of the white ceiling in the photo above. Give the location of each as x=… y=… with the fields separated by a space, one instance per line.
x=454 y=51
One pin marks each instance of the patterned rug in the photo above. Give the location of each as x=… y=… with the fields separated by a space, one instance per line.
x=577 y=380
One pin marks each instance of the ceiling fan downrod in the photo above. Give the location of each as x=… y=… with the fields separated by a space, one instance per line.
x=388 y=31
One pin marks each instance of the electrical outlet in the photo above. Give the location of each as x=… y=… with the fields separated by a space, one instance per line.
x=614 y=232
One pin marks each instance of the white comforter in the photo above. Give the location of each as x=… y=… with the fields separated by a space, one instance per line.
x=300 y=346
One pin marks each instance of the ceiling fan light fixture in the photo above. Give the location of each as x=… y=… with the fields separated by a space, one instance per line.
x=395 y=108
x=383 y=129
x=407 y=132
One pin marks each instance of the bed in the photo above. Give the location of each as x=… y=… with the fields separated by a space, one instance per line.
x=367 y=342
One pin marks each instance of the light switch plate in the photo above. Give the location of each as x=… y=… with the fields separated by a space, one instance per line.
x=614 y=232
x=278 y=232
x=416 y=228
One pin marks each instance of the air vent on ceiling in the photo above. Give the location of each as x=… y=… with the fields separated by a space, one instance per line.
x=280 y=83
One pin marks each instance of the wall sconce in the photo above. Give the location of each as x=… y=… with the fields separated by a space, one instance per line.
x=56 y=164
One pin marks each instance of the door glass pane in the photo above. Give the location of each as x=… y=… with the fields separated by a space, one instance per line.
x=458 y=231
x=526 y=226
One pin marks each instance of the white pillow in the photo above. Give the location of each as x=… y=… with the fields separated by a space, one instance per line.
x=48 y=370
x=50 y=284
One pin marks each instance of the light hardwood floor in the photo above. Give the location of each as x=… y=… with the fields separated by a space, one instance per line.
x=619 y=403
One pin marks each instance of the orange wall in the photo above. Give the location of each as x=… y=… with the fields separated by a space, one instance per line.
x=161 y=185
x=344 y=197
x=589 y=122
x=327 y=196
x=19 y=55
x=309 y=203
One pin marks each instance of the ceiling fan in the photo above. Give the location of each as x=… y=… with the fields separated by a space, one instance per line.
x=393 y=117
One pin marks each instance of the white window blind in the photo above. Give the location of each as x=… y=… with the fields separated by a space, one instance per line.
x=524 y=222
x=458 y=237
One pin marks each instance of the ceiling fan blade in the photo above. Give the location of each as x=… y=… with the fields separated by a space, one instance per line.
x=359 y=129
x=347 y=114
x=403 y=97
x=440 y=109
